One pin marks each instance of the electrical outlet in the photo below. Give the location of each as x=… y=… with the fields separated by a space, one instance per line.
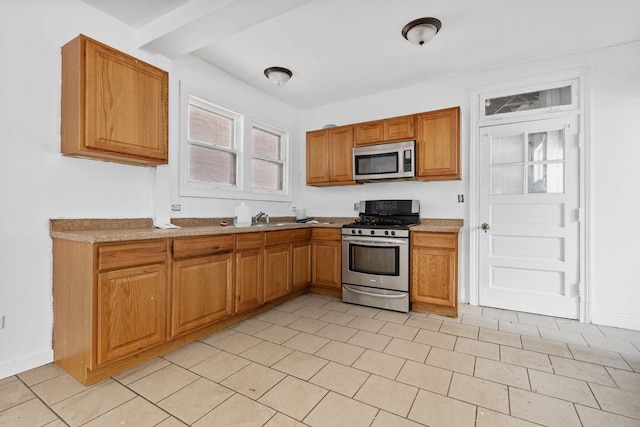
x=460 y=198
x=356 y=206
x=176 y=208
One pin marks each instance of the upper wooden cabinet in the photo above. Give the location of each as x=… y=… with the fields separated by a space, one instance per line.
x=330 y=156
x=438 y=145
x=114 y=106
x=387 y=130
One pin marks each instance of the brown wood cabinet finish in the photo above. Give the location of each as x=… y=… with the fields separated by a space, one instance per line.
x=201 y=282
x=109 y=304
x=434 y=272
x=114 y=106
x=329 y=156
x=326 y=261
x=388 y=130
x=249 y=281
x=438 y=145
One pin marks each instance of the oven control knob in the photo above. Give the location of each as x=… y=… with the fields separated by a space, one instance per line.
x=373 y=232
x=386 y=233
x=393 y=233
x=353 y=231
x=359 y=231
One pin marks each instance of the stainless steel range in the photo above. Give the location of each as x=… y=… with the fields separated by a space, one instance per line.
x=375 y=254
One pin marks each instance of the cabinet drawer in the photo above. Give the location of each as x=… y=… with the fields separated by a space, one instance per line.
x=327 y=234
x=434 y=240
x=249 y=240
x=287 y=236
x=183 y=248
x=131 y=254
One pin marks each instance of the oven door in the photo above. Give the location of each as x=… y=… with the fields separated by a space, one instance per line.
x=376 y=262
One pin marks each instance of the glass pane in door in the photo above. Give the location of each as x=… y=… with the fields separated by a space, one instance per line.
x=507 y=179
x=546 y=146
x=546 y=178
x=507 y=149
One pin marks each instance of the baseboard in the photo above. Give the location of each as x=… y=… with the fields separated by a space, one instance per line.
x=615 y=321
x=30 y=361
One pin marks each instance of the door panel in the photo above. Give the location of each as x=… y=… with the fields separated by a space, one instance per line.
x=529 y=200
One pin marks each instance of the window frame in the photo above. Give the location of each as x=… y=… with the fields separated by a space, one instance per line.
x=243 y=143
x=283 y=161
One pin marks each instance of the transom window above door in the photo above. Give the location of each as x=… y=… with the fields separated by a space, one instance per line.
x=541 y=99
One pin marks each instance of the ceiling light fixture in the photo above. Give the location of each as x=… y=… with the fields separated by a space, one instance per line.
x=421 y=30
x=278 y=75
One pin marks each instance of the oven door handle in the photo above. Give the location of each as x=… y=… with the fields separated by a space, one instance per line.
x=376 y=295
x=377 y=241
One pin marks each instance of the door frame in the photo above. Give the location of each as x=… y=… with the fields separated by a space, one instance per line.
x=475 y=125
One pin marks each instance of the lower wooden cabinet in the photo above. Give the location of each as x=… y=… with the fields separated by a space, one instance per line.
x=131 y=311
x=326 y=261
x=109 y=304
x=201 y=292
x=434 y=272
x=249 y=282
x=201 y=282
x=282 y=248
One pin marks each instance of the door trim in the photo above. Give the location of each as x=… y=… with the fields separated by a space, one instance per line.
x=584 y=177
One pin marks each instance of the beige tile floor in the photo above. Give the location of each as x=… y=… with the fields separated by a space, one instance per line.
x=316 y=361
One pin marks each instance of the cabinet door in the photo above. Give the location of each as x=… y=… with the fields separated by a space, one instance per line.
x=326 y=268
x=201 y=292
x=277 y=271
x=131 y=311
x=249 y=285
x=317 y=157
x=438 y=145
x=369 y=132
x=434 y=273
x=301 y=260
x=399 y=128
x=114 y=106
x=341 y=154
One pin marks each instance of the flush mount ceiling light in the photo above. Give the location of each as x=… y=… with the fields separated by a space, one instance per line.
x=278 y=75
x=421 y=30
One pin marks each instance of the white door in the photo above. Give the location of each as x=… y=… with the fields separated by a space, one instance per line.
x=529 y=211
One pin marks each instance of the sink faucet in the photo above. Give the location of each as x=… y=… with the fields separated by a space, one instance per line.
x=260 y=215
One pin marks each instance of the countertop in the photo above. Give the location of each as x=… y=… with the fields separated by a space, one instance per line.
x=117 y=230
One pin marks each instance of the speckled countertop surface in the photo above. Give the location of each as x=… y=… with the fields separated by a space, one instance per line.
x=117 y=230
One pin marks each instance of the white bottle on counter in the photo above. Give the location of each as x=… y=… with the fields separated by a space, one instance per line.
x=242 y=216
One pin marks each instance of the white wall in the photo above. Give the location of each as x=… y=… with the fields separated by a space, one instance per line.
x=613 y=92
x=37 y=183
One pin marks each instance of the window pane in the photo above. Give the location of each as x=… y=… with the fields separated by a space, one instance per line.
x=211 y=166
x=546 y=146
x=507 y=179
x=205 y=126
x=267 y=175
x=546 y=178
x=266 y=145
x=506 y=149
x=528 y=101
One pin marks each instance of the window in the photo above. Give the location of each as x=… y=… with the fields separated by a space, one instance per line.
x=541 y=99
x=213 y=136
x=221 y=158
x=268 y=161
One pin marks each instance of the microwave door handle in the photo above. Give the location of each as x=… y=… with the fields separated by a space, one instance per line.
x=377 y=242
x=375 y=295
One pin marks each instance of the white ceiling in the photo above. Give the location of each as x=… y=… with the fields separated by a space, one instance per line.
x=340 y=49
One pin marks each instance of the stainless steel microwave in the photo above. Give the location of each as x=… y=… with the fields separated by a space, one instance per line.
x=384 y=161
